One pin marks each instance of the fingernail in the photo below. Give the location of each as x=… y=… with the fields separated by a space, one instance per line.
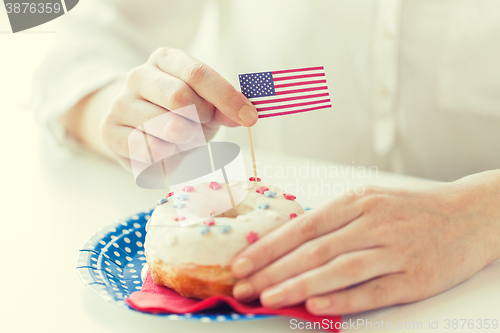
x=273 y=297
x=243 y=290
x=247 y=114
x=321 y=303
x=242 y=267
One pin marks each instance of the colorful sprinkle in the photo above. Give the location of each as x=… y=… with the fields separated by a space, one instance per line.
x=170 y=194
x=225 y=229
x=182 y=196
x=253 y=179
x=252 y=237
x=204 y=230
x=179 y=205
x=180 y=218
x=161 y=201
x=188 y=188
x=264 y=205
x=289 y=196
x=270 y=194
x=209 y=222
x=215 y=185
x=262 y=189
x=293 y=215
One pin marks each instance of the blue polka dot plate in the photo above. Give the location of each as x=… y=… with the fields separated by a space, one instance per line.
x=113 y=265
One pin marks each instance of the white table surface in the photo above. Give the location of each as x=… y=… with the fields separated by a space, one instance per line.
x=51 y=205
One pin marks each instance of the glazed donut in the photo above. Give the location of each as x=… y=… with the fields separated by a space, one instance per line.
x=195 y=260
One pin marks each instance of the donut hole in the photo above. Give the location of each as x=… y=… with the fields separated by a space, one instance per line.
x=241 y=209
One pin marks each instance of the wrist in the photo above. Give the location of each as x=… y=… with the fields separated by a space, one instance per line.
x=477 y=202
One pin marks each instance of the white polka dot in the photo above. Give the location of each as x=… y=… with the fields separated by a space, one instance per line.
x=125 y=231
x=135 y=217
x=142 y=258
x=138 y=234
x=220 y=318
x=137 y=225
x=94 y=265
x=188 y=315
x=107 y=262
x=174 y=317
x=140 y=252
x=133 y=271
x=118 y=268
x=126 y=239
x=138 y=287
x=235 y=316
x=116 y=245
x=123 y=223
x=139 y=244
x=113 y=237
x=108 y=269
x=205 y=320
x=128 y=249
x=124 y=286
x=112 y=229
x=116 y=289
x=93 y=259
x=102 y=242
x=147 y=217
x=130 y=265
x=135 y=276
x=116 y=253
x=137 y=282
x=128 y=258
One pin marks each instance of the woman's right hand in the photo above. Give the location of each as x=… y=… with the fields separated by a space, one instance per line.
x=169 y=80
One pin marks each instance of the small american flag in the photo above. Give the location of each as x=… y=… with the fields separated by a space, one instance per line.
x=286 y=91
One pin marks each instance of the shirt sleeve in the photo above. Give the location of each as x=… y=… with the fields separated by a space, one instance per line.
x=96 y=45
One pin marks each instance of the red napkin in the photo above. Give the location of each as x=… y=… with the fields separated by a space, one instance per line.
x=157 y=299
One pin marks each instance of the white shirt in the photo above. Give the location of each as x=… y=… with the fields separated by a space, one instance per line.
x=415 y=85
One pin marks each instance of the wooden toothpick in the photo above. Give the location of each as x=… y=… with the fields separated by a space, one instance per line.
x=252 y=152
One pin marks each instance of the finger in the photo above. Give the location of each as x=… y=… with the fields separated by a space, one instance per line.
x=382 y=291
x=345 y=270
x=207 y=83
x=132 y=143
x=167 y=91
x=289 y=236
x=310 y=255
x=157 y=121
x=224 y=120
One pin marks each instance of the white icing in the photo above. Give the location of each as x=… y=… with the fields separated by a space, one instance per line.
x=167 y=241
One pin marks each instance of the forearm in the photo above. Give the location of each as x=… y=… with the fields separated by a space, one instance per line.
x=478 y=196
x=82 y=122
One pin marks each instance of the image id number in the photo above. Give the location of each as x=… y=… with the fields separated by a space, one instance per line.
x=471 y=324
x=32 y=8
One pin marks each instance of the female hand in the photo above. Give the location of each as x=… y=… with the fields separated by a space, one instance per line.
x=169 y=80
x=384 y=247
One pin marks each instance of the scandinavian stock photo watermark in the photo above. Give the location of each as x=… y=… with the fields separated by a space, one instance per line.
x=454 y=324
x=309 y=179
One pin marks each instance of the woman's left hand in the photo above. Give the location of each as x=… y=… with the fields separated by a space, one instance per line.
x=387 y=246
